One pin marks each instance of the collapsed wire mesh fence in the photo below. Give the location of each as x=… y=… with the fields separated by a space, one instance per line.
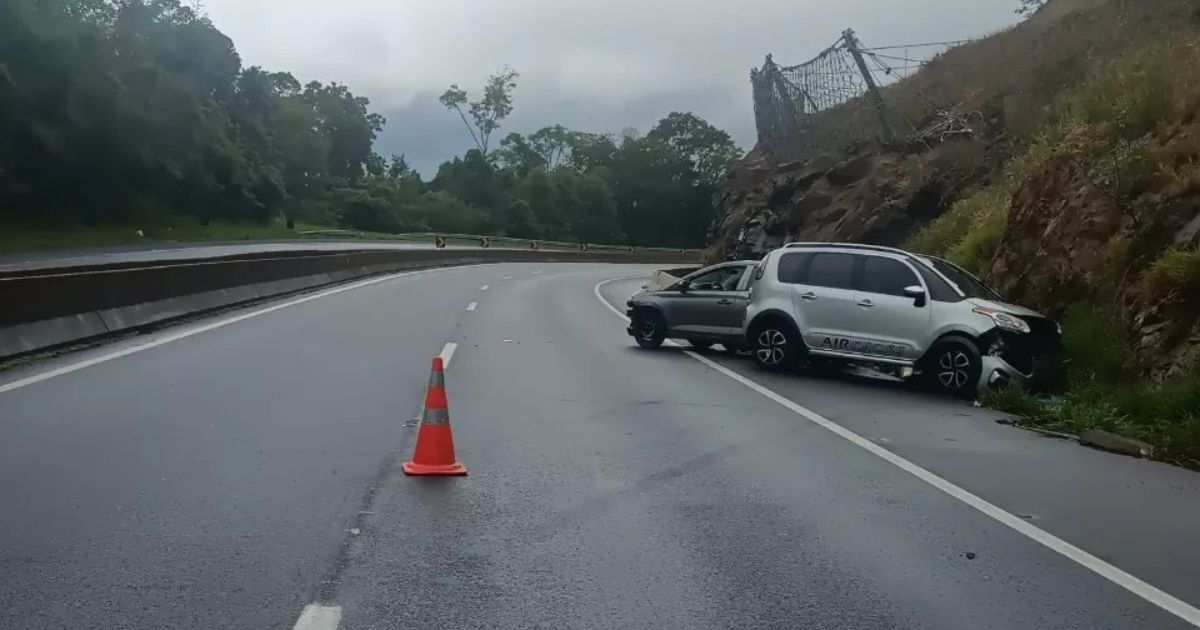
x=788 y=99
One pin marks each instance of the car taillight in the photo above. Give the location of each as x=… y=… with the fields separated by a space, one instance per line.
x=760 y=270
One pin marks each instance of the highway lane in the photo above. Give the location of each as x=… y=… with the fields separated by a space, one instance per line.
x=612 y=487
x=213 y=481
x=1141 y=515
x=209 y=482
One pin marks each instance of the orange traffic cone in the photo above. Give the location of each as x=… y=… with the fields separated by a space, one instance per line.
x=434 y=454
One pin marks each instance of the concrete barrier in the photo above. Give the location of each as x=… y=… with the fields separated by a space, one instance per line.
x=46 y=308
x=664 y=278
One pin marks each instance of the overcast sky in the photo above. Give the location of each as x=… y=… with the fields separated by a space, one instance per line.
x=588 y=64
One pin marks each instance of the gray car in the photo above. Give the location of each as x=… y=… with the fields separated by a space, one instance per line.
x=912 y=314
x=704 y=307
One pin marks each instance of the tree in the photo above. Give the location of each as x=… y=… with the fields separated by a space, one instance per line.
x=516 y=153
x=711 y=151
x=399 y=168
x=489 y=111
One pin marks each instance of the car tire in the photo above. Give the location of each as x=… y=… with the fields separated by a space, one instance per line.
x=649 y=330
x=954 y=366
x=699 y=346
x=775 y=345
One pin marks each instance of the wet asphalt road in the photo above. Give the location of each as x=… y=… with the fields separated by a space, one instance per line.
x=229 y=479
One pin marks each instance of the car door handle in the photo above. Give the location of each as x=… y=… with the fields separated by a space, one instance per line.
x=810 y=296
x=866 y=303
x=725 y=302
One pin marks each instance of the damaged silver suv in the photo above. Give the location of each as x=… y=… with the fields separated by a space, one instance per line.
x=915 y=315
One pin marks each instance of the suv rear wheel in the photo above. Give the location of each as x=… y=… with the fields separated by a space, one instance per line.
x=775 y=345
x=954 y=366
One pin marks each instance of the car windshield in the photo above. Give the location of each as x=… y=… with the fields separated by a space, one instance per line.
x=966 y=283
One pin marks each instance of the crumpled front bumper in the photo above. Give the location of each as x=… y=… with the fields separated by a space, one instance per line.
x=1047 y=374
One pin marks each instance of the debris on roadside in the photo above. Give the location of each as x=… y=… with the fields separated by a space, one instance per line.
x=1104 y=440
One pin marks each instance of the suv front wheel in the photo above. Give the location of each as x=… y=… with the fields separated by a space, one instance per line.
x=954 y=366
x=774 y=345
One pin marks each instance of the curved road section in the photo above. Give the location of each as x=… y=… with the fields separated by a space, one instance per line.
x=243 y=472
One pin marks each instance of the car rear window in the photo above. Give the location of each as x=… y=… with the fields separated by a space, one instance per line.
x=886 y=276
x=835 y=271
x=793 y=268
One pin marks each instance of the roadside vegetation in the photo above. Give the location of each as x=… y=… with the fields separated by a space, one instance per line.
x=1121 y=130
x=126 y=115
x=1103 y=393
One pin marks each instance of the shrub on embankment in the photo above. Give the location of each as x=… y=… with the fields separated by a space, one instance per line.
x=1099 y=221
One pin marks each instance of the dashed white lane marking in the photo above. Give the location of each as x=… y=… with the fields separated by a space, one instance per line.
x=484 y=287
x=536 y=273
x=318 y=617
x=508 y=277
x=1129 y=582
x=447 y=353
x=104 y=358
x=472 y=305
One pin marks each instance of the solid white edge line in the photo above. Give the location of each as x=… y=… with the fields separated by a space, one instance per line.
x=447 y=353
x=318 y=617
x=104 y=358
x=1125 y=580
x=472 y=305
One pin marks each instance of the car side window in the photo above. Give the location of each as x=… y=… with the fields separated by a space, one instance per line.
x=886 y=276
x=835 y=271
x=723 y=279
x=793 y=268
x=744 y=281
x=939 y=290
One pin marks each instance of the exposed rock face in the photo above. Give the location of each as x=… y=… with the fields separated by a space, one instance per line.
x=1067 y=241
x=874 y=196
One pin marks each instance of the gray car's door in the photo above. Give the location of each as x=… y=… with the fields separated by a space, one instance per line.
x=706 y=303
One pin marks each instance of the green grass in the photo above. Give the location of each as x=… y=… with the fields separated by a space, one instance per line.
x=1102 y=395
x=1175 y=270
x=22 y=238
x=17 y=238
x=969 y=232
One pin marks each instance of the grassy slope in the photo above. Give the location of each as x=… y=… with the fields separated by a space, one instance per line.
x=1113 y=126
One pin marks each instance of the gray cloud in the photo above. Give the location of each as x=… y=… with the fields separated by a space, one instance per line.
x=596 y=66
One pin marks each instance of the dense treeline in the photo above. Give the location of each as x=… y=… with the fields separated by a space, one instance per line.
x=122 y=111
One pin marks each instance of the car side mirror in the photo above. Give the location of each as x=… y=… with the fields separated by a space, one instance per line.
x=682 y=286
x=917 y=294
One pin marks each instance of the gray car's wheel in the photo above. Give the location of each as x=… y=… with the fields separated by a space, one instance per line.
x=649 y=330
x=775 y=345
x=954 y=366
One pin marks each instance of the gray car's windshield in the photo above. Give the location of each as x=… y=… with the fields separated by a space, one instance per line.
x=967 y=284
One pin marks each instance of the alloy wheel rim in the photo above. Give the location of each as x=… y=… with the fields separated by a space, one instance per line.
x=772 y=347
x=954 y=366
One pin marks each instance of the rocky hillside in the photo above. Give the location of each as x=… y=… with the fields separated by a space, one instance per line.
x=1071 y=172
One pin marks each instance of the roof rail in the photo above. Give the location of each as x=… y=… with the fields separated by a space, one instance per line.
x=877 y=248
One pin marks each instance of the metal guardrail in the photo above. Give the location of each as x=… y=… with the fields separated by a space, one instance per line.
x=48 y=307
x=496 y=241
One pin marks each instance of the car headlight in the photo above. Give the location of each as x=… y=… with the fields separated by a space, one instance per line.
x=1004 y=320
